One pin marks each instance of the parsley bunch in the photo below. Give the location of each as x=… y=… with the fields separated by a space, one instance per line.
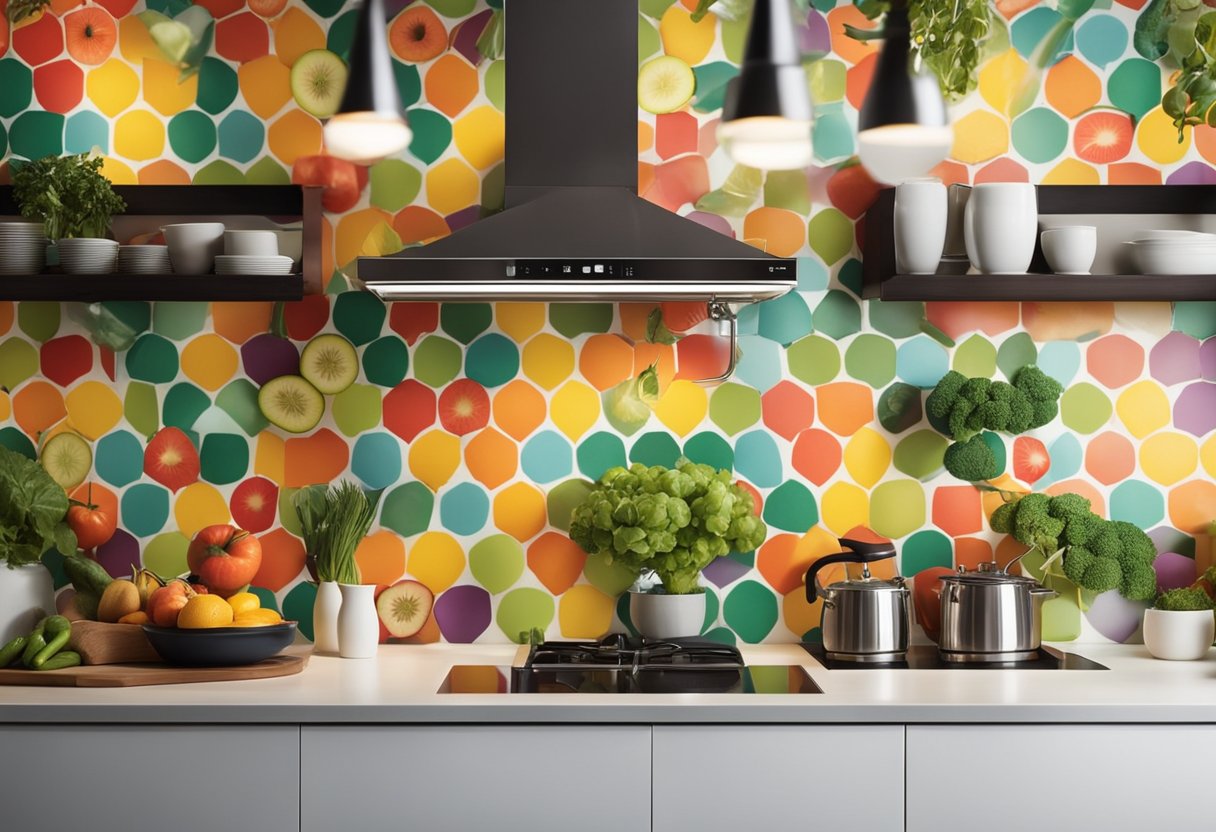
x=68 y=195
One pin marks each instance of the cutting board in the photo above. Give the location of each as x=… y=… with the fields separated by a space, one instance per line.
x=134 y=675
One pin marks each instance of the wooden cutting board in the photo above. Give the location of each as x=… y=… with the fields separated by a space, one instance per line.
x=133 y=675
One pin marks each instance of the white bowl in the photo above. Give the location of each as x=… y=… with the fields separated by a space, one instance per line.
x=193 y=246
x=257 y=243
x=1172 y=234
x=1179 y=636
x=1174 y=257
x=1070 y=249
x=87 y=255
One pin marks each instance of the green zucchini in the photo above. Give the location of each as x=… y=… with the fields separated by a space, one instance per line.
x=66 y=658
x=12 y=651
x=86 y=575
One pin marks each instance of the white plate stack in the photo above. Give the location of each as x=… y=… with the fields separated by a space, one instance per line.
x=22 y=247
x=87 y=255
x=144 y=260
x=1174 y=252
x=252 y=264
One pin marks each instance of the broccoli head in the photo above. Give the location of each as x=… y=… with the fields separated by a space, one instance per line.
x=1105 y=543
x=956 y=422
x=1183 y=599
x=976 y=390
x=1102 y=575
x=1021 y=414
x=1043 y=412
x=1076 y=561
x=1139 y=582
x=1079 y=530
x=1037 y=385
x=972 y=460
x=1002 y=519
x=1137 y=546
x=1033 y=526
x=962 y=407
x=1068 y=506
x=941 y=401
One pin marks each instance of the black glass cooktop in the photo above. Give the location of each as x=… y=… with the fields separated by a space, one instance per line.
x=926 y=657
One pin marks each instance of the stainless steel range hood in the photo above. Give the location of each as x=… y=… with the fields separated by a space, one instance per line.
x=574 y=227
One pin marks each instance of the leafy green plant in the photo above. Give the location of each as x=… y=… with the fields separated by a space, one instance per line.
x=333 y=521
x=670 y=521
x=1184 y=599
x=1191 y=44
x=33 y=511
x=67 y=194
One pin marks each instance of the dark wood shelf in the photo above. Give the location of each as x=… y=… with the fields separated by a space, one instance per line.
x=96 y=287
x=1047 y=287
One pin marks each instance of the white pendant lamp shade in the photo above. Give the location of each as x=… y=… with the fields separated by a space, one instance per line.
x=366 y=137
x=898 y=152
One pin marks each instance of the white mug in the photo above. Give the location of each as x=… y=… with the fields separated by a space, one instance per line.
x=1070 y=249
x=1001 y=225
x=920 y=225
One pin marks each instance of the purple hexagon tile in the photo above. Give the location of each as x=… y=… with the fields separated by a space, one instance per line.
x=816 y=35
x=268 y=356
x=1175 y=359
x=1115 y=617
x=713 y=221
x=1192 y=173
x=1174 y=570
x=463 y=613
x=1195 y=410
x=1207 y=359
x=724 y=571
x=1169 y=539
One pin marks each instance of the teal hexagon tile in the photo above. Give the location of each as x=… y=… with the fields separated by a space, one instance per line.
x=791 y=507
x=359 y=316
x=18 y=361
x=464 y=509
x=298 y=604
x=184 y=403
x=785 y=319
x=393 y=184
x=436 y=360
x=376 y=460
x=239 y=399
x=734 y=407
x=34 y=134
x=897 y=508
x=407 y=509
x=870 y=358
x=144 y=509
x=921 y=362
x=192 y=135
x=386 y=361
x=1135 y=87
x=141 y=409
x=975 y=357
x=837 y=315
x=1000 y=455
x=16 y=87
x=179 y=320
x=923 y=550
x=831 y=134
x=596 y=454
x=896 y=318
x=747 y=322
x=814 y=360
x=758 y=460
x=920 y=454
x=750 y=609
x=830 y=234
x=134 y=315
x=39 y=319
x=432 y=132
x=1066 y=456
x=1196 y=318
x=523 y=609
x=152 y=359
x=573 y=319
x=1016 y=352
x=496 y=562
x=84 y=131
x=465 y=321
x=562 y=499
x=1039 y=135
x=655 y=448
x=812 y=275
x=1084 y=408
x=118 y=458
x=710 y=449
x=217 y=85
x=17 y=442
x=356 y=409
x=899 y=407
x=1061 y=360
x=850 y=275
x=223 y=458
x=1138 y=503
x=492 y=360
x=241 y=136
x=1102 y=39
x=1029 y=30
x=711 y=78
x=546 y=457
x=760 y=364
x=435 y=130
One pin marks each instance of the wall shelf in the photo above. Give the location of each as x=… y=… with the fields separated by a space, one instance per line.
x=184 y=203
x=1085 y=202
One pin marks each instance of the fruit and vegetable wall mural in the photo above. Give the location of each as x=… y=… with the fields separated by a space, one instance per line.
x=482 y=423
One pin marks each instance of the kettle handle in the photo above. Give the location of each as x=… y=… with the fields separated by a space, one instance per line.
x=856 y=551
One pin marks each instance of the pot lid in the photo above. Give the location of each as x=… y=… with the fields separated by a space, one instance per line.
x=869 y=585
x=988 y=573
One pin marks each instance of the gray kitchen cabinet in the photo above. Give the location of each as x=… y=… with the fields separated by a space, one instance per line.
x=188 y=778
x=454 y=778
x=1010 y=778
x=730 y=777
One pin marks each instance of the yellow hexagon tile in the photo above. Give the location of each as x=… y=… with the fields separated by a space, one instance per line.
x=980 y=136
x=1000 y=78
x=139 y=135
x=1072 y=172
x=520 y=320
x=451 y=186
x=682 y=407
x=1167 y=458
x=480 y=136
x=162 y=89
x=1143 y=408
x=574 y=409
x=112 y=87
x=548 y=360
x=867 y=457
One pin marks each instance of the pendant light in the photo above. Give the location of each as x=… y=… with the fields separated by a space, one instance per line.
x=903 y=128
x=766 y=118
x=369 y=125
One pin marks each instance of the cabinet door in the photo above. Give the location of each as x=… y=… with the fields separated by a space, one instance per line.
x=732 y=777
x=1010 y=778
x=185 y=778
x=459 y=778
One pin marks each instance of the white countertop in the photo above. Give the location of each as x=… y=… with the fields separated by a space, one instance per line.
x=400 y=686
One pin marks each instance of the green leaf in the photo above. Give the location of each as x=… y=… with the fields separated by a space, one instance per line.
x=657 y=331
x=33 y=507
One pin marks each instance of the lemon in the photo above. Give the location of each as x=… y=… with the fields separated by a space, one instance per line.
x=244 y=602
x=257 y=618
x=204 y=612
x=665 y=85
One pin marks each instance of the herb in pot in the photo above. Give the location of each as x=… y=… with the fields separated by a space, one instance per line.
x=1192 y=45
x=333 y=521
x=68 y=195
x=1183 y=599
x=33 y=508
x=673 y=522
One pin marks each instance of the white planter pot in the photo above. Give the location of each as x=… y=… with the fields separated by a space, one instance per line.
x=88 y=255
x=658 y=615
x=325 y=617
x=920 y=225
x=358 y=624
x=1179 y=636
x=26 y=595
x=1001 y=225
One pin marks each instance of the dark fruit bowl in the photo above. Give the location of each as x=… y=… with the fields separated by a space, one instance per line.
x=220 y=646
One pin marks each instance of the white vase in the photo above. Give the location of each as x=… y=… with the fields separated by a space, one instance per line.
x=659 y=615
x=358 y=624
x=920 y=225
x=325 y=617
x=26 y=595
x=1179 y=635
x=1001 y=225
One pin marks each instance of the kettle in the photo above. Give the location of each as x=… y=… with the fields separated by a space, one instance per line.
x=866 y=619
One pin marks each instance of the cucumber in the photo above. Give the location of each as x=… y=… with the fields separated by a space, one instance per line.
x=330 y=363
x=12 y=651
x=87 y=575
x=67 y=458
x=62 y=659
x=291 y=403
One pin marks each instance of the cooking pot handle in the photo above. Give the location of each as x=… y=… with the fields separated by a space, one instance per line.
x=857 y=551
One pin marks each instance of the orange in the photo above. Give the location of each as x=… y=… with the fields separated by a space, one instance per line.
x=244 y=602
x=257 y=618
x=204 y=612
x=90 y=34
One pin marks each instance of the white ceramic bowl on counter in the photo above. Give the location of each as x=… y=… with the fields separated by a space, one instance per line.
x=1174 y=256
x=1179 y=635
x=193 y=246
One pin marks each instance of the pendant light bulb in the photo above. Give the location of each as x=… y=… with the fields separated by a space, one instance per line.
x=369 y=124
x=766 y=118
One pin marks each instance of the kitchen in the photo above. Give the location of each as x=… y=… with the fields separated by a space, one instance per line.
x=347 y=345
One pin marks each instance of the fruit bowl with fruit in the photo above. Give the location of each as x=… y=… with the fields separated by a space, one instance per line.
x=204 y=629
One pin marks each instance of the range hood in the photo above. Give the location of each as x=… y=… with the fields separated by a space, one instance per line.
x=573 y=227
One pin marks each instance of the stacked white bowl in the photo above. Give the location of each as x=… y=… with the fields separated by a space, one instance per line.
x=87 y=255
x=193 y=246
x=1174 y=252
x=252 y=252
x=144 y=259
x=22 y=247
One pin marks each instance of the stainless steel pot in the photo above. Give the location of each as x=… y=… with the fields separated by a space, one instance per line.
x=989 y=615
x=864 y=620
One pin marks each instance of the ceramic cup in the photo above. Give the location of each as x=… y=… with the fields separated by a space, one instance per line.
x=658 y=615
x=920 y=225
x=1179 y=636
x=1070 y=249
x=193 y=246
x=255 y=243
x=1001 y=225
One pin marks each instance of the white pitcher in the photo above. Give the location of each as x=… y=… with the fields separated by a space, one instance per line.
x=1001 y=225
x=358 y=624
x=920 y=225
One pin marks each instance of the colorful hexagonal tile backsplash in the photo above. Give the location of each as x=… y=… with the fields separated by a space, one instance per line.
x=483 y=422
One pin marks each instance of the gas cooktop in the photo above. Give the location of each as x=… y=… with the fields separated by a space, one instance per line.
x=620 y=664
x=927 y=657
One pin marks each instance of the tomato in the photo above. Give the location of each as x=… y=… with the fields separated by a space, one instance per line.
x=166 y=602
x=225 y=558
x=92 y=524
x=926 y=598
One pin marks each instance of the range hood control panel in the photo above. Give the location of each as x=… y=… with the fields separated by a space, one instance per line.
x=646 y=270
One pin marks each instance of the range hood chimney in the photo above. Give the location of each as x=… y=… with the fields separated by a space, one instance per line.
x=573 y=227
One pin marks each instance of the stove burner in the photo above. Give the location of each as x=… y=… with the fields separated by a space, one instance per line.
x=619 y=651
x=927 y=657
